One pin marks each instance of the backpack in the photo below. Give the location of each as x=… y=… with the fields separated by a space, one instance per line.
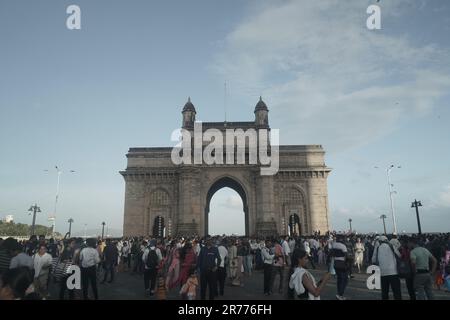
x=152 y=259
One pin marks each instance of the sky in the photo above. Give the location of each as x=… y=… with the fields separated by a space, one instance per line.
x=80 y=98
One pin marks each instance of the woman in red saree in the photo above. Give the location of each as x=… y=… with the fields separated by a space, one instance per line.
x=173 y=273
x=188 y=261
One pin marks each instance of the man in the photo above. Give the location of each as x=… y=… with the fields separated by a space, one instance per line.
x=291 y=245
x=420 y=261
x=6 y=250
x=307 y=248
x=385 y=256
x=232 y=260
x=395 y=242
x=41 y=262
x=208 y=262
x=286 y=250
x=151 y=259
x=221 y=271
x=110 y=258
x=267 y=257
x=278 y=266
x=241 y=254
x=126 y=252
x=339 y=253
x=89 y=258
x=21 y=259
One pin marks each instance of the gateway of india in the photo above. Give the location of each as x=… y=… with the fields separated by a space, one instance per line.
x=165 y=199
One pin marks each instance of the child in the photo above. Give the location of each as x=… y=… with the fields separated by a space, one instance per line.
x=189 y=289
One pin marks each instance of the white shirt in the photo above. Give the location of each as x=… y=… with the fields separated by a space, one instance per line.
x=267 y=257
x=223 y=252
x=21 y=260
x=395 y=243
x=197 y=249
x=89 y=257
x=286 y=248
x=307 y=248
x=339 y=246
x=296 y=282
x=386 y=259
x=125 y=251
x=41 y=264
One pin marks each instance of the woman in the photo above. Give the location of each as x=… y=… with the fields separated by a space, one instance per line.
x=188 y=260
x=63 y=265
x=302 y=281
x=173 y=272
x=359 y=254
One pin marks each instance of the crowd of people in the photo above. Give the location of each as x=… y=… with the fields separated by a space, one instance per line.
x=197 y=268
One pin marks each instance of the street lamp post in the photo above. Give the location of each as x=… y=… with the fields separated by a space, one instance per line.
x=391 y=192
x=416 y=204
x=35 y=209
x=53 y=217
x=350 y=221
x=85 y=230
x=103 y=229
x=70 y=226
x=390 y=195
x=383 y=216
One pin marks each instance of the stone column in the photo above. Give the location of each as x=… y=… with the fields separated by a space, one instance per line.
x=189 y=209
x=318 y=204
x=265 y=206
x=134 y=208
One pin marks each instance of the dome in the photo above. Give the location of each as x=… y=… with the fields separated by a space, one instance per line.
x=189 y=106
x=261 y=106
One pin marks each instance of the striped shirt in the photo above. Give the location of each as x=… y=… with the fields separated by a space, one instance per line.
x=5 y=260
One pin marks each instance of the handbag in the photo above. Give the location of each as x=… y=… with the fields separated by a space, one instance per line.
x=403 y=267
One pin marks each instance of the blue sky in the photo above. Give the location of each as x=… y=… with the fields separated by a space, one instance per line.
x=81 y=98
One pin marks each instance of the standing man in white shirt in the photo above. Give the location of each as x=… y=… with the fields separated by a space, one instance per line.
x=286 y=250
x=221 y=271
x=42 y=262
x=267 y=257
x=339 y=252
x=89 y=258
x=151 y=258
x=384 y=256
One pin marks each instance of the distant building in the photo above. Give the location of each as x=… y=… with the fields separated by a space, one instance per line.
x=8 y=219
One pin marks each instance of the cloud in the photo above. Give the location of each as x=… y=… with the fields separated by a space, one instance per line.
x=444 y=197
x=326 y=77
x=232 y=202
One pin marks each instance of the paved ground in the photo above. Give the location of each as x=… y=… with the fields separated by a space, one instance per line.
x=128 y=286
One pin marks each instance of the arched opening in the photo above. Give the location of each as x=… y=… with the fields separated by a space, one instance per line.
x=159 y=228
x=158 y=218
x=227 y=211
x=294 y=227
x=294 y=211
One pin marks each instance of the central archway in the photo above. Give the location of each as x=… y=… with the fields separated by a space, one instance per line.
x=232 y=184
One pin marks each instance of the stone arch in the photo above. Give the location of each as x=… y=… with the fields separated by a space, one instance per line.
x=293 y=201
x=159 y=205
x=232 y=183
